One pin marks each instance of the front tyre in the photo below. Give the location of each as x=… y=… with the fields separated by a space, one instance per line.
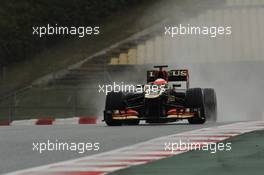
x=109 y=119
x=114 y=101
x=194 y=99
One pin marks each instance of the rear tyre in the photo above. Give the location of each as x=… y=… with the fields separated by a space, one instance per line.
x=114 y=101
x=210 y=103
x=194 y=99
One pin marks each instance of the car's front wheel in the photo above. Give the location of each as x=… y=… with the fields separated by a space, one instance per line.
x=114 y=101
x=194 y=99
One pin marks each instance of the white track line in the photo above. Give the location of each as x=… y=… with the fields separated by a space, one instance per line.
x=141 y=153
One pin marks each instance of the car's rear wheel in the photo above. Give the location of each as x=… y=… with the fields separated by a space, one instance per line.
x=194 y=99
x=114 y=101
x=210 y=103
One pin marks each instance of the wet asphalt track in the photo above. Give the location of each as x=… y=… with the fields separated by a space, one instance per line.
x=16 y=141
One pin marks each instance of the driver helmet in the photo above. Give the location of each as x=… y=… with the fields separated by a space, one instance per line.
x=160 y=81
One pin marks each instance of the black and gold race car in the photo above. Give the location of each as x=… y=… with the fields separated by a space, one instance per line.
x=166 y=97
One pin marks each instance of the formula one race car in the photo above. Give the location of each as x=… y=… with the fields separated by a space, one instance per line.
x=165 y=98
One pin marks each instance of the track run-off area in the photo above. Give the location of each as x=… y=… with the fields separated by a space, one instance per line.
x=120 y=147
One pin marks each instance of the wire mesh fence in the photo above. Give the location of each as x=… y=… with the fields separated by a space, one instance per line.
x=51 y=102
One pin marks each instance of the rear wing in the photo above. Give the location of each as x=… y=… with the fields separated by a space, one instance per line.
x=180 y=75
x=153 y=75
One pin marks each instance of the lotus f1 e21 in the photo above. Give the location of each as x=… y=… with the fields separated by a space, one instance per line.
x=171 y=100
